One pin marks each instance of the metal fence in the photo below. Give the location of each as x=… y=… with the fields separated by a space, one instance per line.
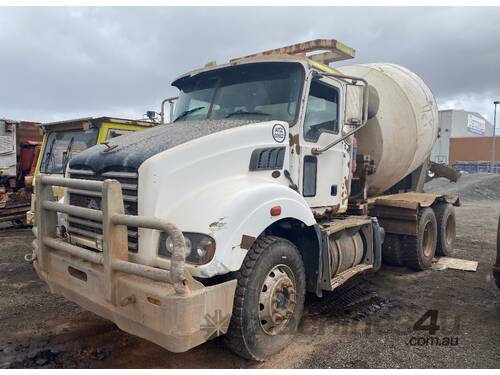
x=479 y=167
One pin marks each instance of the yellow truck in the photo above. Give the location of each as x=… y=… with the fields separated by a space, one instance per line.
x=64 y=139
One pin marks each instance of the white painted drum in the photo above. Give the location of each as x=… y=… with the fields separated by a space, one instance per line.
x=402 y=130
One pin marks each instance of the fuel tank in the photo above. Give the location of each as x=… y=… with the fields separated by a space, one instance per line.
x=402 y=125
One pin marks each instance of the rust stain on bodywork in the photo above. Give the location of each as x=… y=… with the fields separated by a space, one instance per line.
x=344 y=194
x=294 y=141
x=325 y=212
x=247 y=242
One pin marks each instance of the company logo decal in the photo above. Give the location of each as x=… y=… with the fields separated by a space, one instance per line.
x=279 y=133
x=93 y=204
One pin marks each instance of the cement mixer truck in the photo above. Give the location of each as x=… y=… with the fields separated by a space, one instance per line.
x=278 y=175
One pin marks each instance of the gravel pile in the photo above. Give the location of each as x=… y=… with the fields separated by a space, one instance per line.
x=476 y=186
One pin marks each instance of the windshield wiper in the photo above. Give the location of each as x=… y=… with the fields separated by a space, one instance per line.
x=49 y=155
x=242 y=112
x=67 y=153
x=187 y=112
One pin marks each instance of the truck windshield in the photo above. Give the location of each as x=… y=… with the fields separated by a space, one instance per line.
x=267 y=91
x=61 y=145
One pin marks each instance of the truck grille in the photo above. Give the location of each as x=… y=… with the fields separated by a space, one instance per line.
x=88 y=232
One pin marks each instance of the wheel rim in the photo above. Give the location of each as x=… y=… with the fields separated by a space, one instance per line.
x=428 y=239
x=277 y=299
x=450 y=230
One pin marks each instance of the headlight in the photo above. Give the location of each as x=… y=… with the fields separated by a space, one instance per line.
x=200 y=248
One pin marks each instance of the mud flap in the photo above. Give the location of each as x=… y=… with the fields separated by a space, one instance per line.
x=378 y=239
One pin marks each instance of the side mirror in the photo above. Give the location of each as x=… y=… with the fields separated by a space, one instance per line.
x=171 y=102
x=354 y=105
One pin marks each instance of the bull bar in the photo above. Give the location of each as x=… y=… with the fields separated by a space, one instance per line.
x=167 y=307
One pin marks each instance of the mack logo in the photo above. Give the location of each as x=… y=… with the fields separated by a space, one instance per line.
x=215 y=325
x=279 y=133
x=93 y=204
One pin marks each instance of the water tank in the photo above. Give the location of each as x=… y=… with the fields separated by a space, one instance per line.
x=402 y=125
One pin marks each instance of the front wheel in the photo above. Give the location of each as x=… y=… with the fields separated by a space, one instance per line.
x=269 y=299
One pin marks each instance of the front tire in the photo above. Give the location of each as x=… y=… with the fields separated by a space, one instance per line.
x=269 y=299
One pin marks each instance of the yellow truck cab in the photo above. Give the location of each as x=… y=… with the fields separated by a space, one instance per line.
x=64 y=139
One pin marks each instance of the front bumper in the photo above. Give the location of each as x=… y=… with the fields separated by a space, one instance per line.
x=145 y=308
x=167 y=307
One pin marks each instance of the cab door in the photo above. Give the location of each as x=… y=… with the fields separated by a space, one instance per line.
x=324 y=177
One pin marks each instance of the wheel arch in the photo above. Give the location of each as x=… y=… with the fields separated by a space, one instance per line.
x=309 y=242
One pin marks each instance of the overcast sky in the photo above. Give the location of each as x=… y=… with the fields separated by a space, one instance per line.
x=61 y=63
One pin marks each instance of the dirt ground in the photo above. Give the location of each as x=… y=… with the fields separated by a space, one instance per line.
x=367 y=324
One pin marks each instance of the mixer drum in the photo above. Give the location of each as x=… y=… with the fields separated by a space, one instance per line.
x=403 y=125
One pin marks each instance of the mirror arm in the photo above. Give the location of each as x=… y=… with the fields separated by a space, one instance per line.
x=162 y=111
x=317 y=151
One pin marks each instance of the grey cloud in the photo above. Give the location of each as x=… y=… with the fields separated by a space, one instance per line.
x=60 y=63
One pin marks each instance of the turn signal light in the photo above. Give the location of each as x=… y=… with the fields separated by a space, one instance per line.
x=154 y=301
x=276 y=211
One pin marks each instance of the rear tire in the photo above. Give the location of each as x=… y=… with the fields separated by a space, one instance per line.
x=446 y=224
x=419 y=250
x=391 y=250
x=269 y=299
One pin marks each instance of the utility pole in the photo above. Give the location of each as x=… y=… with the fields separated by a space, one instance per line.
x=493 y=156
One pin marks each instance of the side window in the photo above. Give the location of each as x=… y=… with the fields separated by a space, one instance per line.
x=322 y=111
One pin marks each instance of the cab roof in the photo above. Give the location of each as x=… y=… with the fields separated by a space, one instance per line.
x=95 y=122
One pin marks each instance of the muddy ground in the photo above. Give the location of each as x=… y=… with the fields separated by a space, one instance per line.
x=369 y=323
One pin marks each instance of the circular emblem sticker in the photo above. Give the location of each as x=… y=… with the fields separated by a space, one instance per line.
x=279 y=133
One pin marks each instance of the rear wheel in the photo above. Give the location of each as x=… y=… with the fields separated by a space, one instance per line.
x=445 y=217
x=391 y=250
x=418 y=251
x=269 y=299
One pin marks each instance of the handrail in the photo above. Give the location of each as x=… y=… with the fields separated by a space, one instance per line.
x=70 y=182
x=77 y=251
x=86 y=213
x=317 y=150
